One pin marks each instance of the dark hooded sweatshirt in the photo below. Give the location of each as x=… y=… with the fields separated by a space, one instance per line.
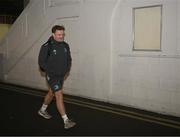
x=55 y=57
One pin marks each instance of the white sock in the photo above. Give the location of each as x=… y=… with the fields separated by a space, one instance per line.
x=44 y=107
x=64 y=117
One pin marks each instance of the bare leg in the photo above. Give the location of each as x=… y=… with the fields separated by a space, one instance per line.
x=60 y=102
x=47 y=100
x=49 y=97
x=60 y=106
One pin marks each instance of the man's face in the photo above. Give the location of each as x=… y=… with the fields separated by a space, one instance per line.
x=59 y=35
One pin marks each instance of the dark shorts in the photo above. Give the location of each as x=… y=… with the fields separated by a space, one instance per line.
x=55 y=82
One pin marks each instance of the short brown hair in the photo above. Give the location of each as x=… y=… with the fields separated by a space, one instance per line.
x=57 y=27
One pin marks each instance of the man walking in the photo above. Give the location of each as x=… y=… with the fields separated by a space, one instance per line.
x=55 y=60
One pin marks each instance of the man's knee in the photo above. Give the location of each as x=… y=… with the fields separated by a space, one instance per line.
x=59 y=94
x=50 y=93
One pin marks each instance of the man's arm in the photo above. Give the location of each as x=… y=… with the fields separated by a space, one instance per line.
x=69 y=60
x=43 y=56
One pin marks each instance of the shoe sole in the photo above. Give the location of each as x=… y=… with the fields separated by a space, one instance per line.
x=43 y=116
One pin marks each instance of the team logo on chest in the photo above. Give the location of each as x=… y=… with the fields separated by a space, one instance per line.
x=55 y=52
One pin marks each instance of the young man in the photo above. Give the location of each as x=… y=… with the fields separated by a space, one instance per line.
x=55 y=60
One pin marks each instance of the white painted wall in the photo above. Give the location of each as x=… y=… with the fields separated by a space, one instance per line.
x=104 y=66
x=147 y=80
x=178 y=26
x=88 y=38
